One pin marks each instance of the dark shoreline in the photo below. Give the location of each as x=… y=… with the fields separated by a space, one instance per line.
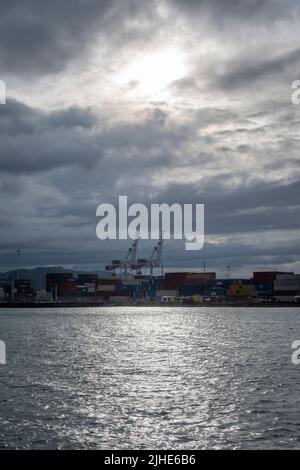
x=94 y=304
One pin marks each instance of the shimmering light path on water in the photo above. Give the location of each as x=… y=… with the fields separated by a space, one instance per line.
x=134 y=378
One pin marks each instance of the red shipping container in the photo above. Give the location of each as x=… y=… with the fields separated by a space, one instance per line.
x=265 y=277
x=108 y=281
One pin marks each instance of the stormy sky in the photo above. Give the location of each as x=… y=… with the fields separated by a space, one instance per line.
x=164 y=101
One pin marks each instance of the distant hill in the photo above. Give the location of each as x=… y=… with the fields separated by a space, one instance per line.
x=38 y=275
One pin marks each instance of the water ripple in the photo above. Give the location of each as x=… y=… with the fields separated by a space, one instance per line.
x=149 y=378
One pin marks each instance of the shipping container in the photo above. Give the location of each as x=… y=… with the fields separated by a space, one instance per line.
x=121 y=287
x=173 y=281
x=285 y=298
x=265 y=277
x=189 y=291
x=197 y=282
x=224 y=283
x=219 y=292
x=286 y=293
x=120 y=299
x=89 y=285
x=87 y=278
x=109 y=281
x=242 y=290
x=241 y=282
x=120 y=294
x=287 y=282
x=264 y=287
x=22 y=283
x=178 y=275
x=106 y=288
x=130 y=282
x=168 y=299
x=103 y=293
x=167 y=293
x=209 y=276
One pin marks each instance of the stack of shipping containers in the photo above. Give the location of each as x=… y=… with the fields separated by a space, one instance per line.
x=241 y=290
x=87 y=284
x=264 y=283
x=62 y=285
x=22 y=289
x=5 y=290
x=198 y=284
x=106 y=287
x=287 y=287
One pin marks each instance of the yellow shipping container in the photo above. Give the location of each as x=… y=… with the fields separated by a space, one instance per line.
x=197 y=299
x=243 y=290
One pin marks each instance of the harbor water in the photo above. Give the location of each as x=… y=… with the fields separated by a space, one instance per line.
x=150 y=378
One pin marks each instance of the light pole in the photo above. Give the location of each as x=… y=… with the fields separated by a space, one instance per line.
x=228 y=268
x=18 y=263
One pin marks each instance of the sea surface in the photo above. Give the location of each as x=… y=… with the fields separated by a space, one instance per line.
x=150 y=378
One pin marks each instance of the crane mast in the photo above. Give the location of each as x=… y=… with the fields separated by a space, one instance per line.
x=131 y=262
x=128 y=263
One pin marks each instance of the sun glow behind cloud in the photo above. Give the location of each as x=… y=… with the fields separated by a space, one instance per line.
x=148 y=75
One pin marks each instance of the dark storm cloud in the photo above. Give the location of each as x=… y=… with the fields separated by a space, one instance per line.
x=34 y=141
x=74 y=164
x=17 y=118
x=40 y=37
x=241 y=210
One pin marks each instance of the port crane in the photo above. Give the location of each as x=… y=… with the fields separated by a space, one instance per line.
x=155 y=261
x=132 y=263
x=129 y=262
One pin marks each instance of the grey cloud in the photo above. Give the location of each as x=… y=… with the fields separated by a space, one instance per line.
x=40 y=38
x=34 y=141
x=184 y=84
x=257 y=208
x=57 y=166
x=73 y=117
x=259 y=10
x=209 y=115
x=36 y=38
x=48 y=150
x=19 y=118
x=245 y=73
